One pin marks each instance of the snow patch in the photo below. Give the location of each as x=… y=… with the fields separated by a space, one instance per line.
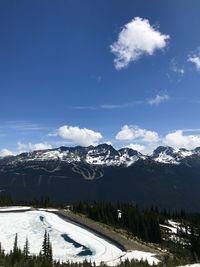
x=50 y=210
x=14 y=208
x=164 y=158
x=191 y=265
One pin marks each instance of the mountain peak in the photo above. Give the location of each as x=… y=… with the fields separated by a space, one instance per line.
x=105 y=155
x=163 y=149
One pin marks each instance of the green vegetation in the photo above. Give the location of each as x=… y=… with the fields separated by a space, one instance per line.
x=22 y=258
x=143 y=224
x=177 y=248
x=19 y=258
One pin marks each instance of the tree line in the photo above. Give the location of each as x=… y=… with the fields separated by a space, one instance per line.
x=141 y=223
x=22 y=258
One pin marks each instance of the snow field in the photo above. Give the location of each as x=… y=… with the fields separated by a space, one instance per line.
x=32 y=224
x=14 y=208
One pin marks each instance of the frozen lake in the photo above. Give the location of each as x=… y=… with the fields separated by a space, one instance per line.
x=69 y=241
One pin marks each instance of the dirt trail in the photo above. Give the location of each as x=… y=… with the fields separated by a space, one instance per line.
x=106 y=232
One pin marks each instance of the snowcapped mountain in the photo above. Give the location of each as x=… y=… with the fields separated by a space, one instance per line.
x=169 y=155
x=166 y=178
x=104 y=155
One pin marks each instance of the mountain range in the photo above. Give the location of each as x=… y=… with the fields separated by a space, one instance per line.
x=168 y=178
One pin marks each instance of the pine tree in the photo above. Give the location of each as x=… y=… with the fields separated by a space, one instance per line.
x=15 y=247
x=45 y=244
x=16 y=251
x=47 y=248
x=50 y=256
x=26 y=249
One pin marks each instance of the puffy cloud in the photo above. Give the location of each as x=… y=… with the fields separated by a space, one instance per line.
x=31 y=147
x=80 y=136
x=195 y=59
x=5 y=152
x=158 y=99
x=177 y=139
x=129 y=132
x=136 y=147
x=136 y=38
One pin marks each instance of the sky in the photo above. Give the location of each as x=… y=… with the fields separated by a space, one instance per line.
x=76 y=72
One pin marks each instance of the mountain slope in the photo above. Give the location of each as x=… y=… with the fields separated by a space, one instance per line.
x=167 y=178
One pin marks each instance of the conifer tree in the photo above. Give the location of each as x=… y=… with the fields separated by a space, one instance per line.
x=15 y=247
x=16 y=253
x=26 y=249
x=45 y=244
x=47 y=248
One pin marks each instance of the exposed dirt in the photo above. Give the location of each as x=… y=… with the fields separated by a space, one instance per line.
x=115 y=236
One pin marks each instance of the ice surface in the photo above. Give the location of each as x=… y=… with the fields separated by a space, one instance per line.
x=68 y=240
x=14 y=208
x=42 y=209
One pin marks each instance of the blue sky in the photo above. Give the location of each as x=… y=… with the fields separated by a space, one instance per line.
x=86 y=72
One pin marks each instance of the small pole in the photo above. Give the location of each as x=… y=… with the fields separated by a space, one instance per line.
x=119 y=213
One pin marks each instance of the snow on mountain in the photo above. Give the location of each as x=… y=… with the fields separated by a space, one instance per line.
x=102 y=155
x=169 y=155
x=129 y=156
x=164 y=155
x=107 y=155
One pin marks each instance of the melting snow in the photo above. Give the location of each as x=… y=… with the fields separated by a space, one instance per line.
x=191 y=265
x=164 y=158
x=32 y=224
x=14 y=208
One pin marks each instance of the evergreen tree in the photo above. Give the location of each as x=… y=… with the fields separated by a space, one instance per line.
x=15 y=246
x=45 y=244
x=47 y=248
x=16 y=253
x=50 y=256
x=26 y=249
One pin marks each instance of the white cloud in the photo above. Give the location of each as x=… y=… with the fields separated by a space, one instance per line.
x=158 y=99
x=111 y=106
x=195 y=59
x=31 y=147
x=177 y=139
x=5 y=152
x=136 y=147
x=131 y=132
x=51 y=134
x=175 y=68
x=79 y=136
x=136 y=38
